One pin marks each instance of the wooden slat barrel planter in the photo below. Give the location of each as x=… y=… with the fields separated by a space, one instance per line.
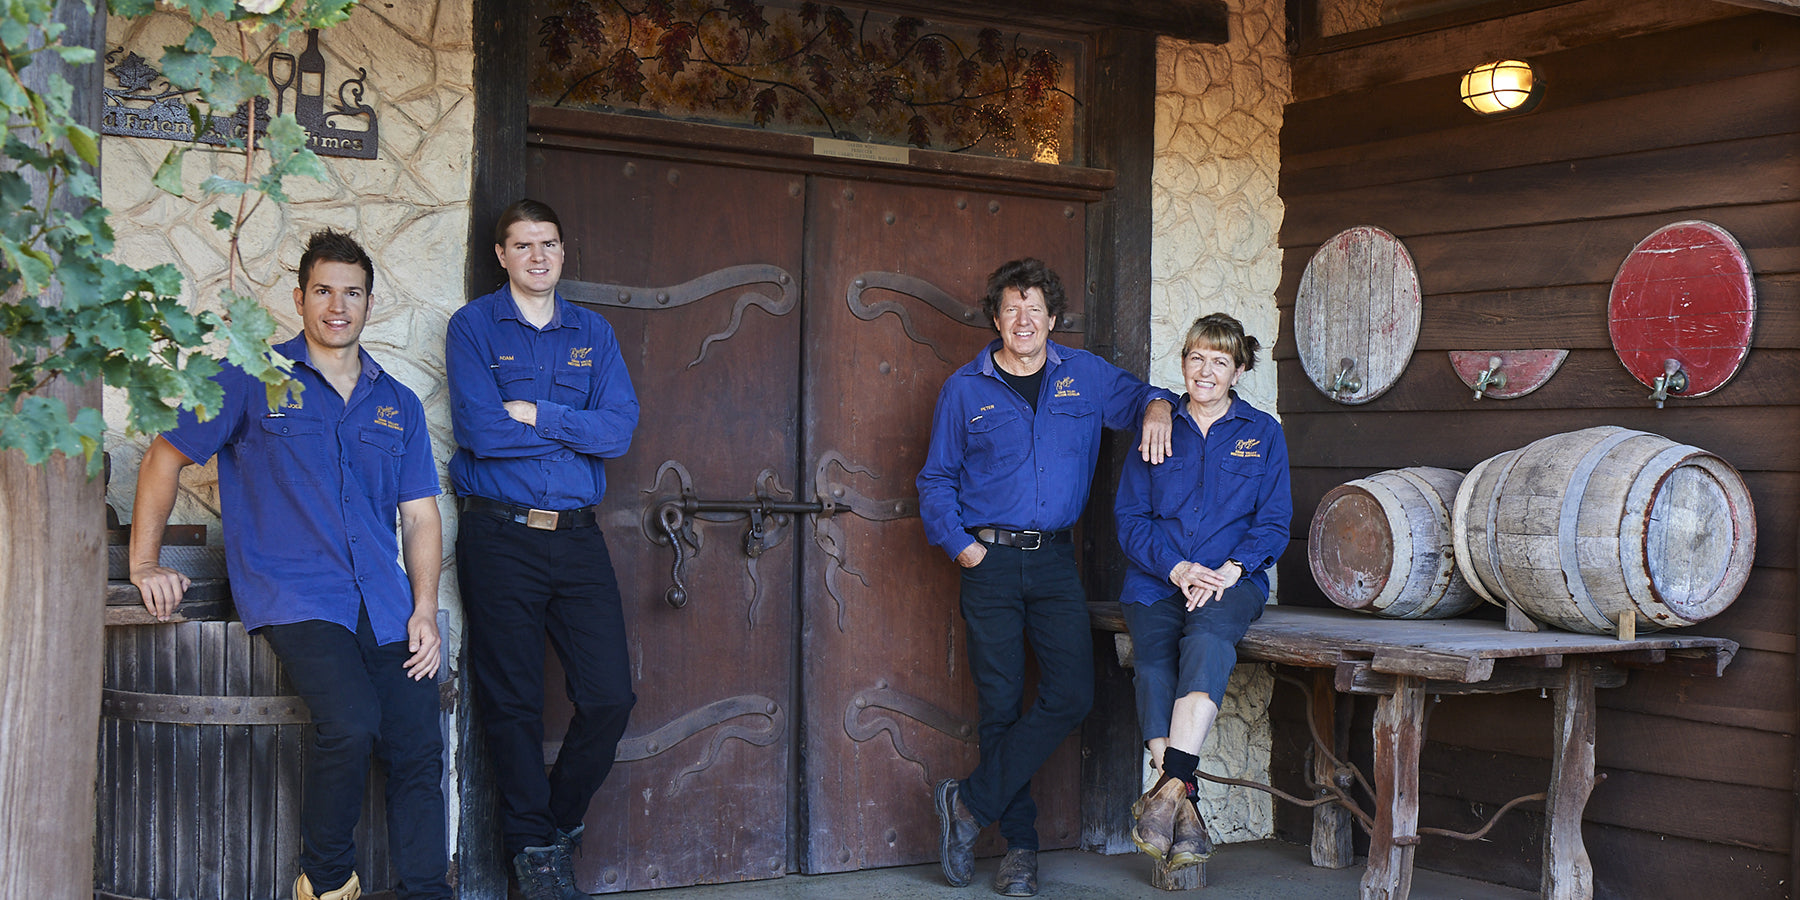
x=1581 y=529
x=1382 y=545
x=201 y=750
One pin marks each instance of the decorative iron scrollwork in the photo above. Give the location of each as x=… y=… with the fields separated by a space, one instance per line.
x=826 y=533
x=953 y=309
x=770 y=516
x=621 y=296
x=771 y=728
x=883 y=697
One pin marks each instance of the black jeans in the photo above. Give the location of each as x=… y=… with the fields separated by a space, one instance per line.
x=1012 y=597
x=362 y=701
x=519 y=585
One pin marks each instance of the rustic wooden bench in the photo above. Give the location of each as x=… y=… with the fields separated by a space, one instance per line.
x=1402 y=662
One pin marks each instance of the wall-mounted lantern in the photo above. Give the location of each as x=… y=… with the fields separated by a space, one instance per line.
x=1504 y=87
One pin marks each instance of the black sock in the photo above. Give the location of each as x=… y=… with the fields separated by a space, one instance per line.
x=1180 y=764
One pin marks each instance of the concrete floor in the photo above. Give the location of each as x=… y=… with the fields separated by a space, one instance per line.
x=1265 y=870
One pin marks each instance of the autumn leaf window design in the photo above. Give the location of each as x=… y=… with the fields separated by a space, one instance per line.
x=808 y=68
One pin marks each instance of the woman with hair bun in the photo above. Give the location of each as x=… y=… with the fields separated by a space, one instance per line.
x=1200 y=532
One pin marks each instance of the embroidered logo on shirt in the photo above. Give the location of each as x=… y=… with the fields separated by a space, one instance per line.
x=980 y=412
x=1065 y=387
x=1247 y=447
x=506 y=359
x=385 y=416
x=578 y=356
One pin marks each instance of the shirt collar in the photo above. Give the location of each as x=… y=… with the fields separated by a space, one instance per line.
x=1235 y=411
x=295 y=348
x=510 y=309
x=1052 y=358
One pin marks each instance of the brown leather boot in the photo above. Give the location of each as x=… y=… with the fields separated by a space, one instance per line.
x=1192 y=843
x=1155 y=813
x=303 y=890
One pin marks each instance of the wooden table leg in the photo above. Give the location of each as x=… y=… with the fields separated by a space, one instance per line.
x=1568 y=874
x=1331 y=835
x=1399 y=732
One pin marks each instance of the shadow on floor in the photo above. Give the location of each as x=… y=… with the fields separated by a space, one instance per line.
x=1264 y=870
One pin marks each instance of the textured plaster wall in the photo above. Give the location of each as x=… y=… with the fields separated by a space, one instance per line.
x=409 y=208
x=1215 y=220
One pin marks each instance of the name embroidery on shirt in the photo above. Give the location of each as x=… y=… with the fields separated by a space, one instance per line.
x=980 y=413
x=1065 y=387
x=1247 y=448
x=578 y=356
x=506 y=359
x=385 y=416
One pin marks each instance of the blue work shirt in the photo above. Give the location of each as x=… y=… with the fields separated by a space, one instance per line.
x=309 y=493
x=993 y=462
x=1219 y=496
x=572 y=370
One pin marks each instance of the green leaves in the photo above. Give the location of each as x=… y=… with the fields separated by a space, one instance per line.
x=75 y=313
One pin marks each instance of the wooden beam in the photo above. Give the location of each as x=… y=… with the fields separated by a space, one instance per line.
x=1790 y=7
x=1399 y=735
x=1189 y=20
x=1568 y=874
x=52 y=573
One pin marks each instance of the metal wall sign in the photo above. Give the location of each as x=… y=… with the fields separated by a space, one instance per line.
x=140 y=102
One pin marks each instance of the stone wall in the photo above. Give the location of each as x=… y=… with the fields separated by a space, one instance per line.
x=1216 y=220
x=409 y=208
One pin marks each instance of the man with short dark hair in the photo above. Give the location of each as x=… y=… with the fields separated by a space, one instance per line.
x=1013 y=447
x=308 y=495
x=540 y=400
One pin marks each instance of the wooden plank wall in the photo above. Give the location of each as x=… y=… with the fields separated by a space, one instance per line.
x=1517 y=228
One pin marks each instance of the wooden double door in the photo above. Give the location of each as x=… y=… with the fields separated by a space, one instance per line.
x=799 y=665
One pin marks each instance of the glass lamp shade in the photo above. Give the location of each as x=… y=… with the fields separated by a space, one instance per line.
x=1501 y=87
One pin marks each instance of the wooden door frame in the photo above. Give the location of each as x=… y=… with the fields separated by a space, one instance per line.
x=1122 y=81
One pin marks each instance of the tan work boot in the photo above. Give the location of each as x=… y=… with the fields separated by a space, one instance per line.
x=1155 y=813
x=303 y=890
x=1192 y=844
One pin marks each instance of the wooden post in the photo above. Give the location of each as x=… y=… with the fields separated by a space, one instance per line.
x=1164 y=878
x=1568 y=875
x=1332 y=846
x=52 y=586
x=1399 y=732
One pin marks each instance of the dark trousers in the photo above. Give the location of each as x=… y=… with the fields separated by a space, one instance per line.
x=363 y=702
x=1012 y=597
x=1176 y=652
x=519 y=585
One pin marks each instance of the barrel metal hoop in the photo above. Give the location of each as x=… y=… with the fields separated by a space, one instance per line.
x=1501 y=587
x=1635 y=534
x=1569 y=532
x=1401 y=535
x=1459 y=537
x=191 y=709
x=1439 y=507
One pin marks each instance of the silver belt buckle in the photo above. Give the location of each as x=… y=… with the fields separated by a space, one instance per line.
x=1037 y=539
x=542 y=519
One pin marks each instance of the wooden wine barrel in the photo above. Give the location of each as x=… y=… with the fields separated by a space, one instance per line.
x=201 y=750
x=1580 y=529
x=1382 y=545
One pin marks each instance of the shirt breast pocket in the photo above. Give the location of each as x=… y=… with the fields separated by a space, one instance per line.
x=572 y=386
x=998 y=440
x=515 y=382
x=1171 y=482
x=1074 y=428
x=1242 y=482
x=377 y=464
x=294 y=449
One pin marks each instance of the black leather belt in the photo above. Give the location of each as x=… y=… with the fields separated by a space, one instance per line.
x=1019 y=540
x=542 y=519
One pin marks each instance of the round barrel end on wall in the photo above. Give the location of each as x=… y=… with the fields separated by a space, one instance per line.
x=1382 y=545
